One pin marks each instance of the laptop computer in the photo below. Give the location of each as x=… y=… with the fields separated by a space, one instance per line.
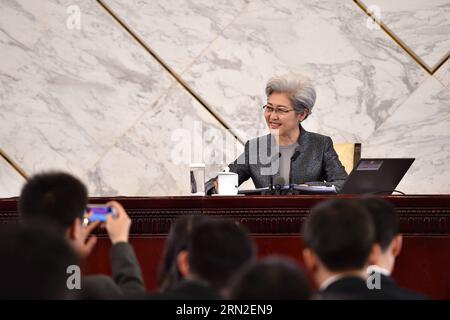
x=380 y=176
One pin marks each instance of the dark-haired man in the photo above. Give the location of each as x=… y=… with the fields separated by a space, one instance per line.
x=216 y=251
x=272 y=278
x=338 y=238
x=60 y=199
x=34 y=260
x=388 y=243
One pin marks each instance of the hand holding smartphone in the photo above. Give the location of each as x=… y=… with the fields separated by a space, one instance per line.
x=118 y=228
x=98 y=212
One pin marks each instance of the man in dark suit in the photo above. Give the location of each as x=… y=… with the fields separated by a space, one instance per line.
x=388 y=246
x=216 y=251
x=60 y=199
x=338 y=239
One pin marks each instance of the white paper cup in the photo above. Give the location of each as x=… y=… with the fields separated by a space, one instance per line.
x=228 y=183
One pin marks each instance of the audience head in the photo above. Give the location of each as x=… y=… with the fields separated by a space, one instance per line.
x=338 y=237
x=34 y=260
x=387 y=236
x=217 y=250
x=272 y=278
x=177 y=242
x=54 y=196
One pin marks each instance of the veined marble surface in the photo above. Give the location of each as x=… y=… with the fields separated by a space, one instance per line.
x=66 y=94
x=443 y=74
x=153 y=158
x=178 y=30
x=361 y=75
x=423 y=25
x=96 y=104
x=420 y=129
x=11 y=182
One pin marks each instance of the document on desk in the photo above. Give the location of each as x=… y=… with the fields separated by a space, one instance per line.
x=301 y=188
x=315 y=189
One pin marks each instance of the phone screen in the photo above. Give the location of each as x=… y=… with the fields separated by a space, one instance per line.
x=97 y=213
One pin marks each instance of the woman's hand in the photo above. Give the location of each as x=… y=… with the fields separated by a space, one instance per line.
x=216 y=185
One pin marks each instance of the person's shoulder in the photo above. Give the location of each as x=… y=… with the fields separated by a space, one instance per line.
x=263 y=137
x=98 y=279
x=391 y=290
x=99 y=286
x=316 y=136
x=258 y=140
x=191 y=290
x=347 y=288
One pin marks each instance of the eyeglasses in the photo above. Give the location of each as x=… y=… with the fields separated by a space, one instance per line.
x=280 y=111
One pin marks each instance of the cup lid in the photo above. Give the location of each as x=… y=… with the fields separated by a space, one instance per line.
x=197 y=165
x=226 y=173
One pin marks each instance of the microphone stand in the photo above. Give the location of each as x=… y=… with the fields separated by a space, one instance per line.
x=272 y=189
x=279 y=184
x=291 y=185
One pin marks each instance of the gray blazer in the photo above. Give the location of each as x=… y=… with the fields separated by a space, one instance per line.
x=317 y=163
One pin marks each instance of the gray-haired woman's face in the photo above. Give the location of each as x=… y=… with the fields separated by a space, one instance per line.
x=280 y=115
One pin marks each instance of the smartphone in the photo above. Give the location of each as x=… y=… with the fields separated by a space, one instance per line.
x=97 y=212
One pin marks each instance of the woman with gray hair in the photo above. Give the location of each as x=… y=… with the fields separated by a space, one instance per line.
x=296 y=156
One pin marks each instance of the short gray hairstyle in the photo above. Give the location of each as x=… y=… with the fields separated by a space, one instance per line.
x=299 y=89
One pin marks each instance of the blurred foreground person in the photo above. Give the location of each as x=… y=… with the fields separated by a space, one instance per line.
x=60 y=199
x=34 y=262
x=215 y=251
x=388 y=243
x=338 y=238
x=273 y=278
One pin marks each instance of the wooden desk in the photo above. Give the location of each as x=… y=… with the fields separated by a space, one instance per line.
x=275 y=224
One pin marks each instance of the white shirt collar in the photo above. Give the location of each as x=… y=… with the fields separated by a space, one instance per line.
x=378 y=269
x=329 y=281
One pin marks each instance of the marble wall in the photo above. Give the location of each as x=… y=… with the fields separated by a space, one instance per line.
x=94 y=102
x=75 y=96
x=11 y=182
x=424 y=26
x=420 y=129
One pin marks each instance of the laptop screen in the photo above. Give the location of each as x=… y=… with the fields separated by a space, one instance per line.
x=380 y=176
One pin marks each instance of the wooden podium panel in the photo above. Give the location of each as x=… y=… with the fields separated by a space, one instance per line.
x=275 y=224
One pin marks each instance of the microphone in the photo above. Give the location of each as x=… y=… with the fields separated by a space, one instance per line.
x=279 y=183
x=293 y=158
x=271 y=186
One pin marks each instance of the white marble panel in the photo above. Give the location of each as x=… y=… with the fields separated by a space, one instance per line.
x=68 y=94
x=423 y=25
x=153 y=158
x=178 y=30
x=361 y=75
x=443 y=74
x=420 y=129
x=11 y=181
